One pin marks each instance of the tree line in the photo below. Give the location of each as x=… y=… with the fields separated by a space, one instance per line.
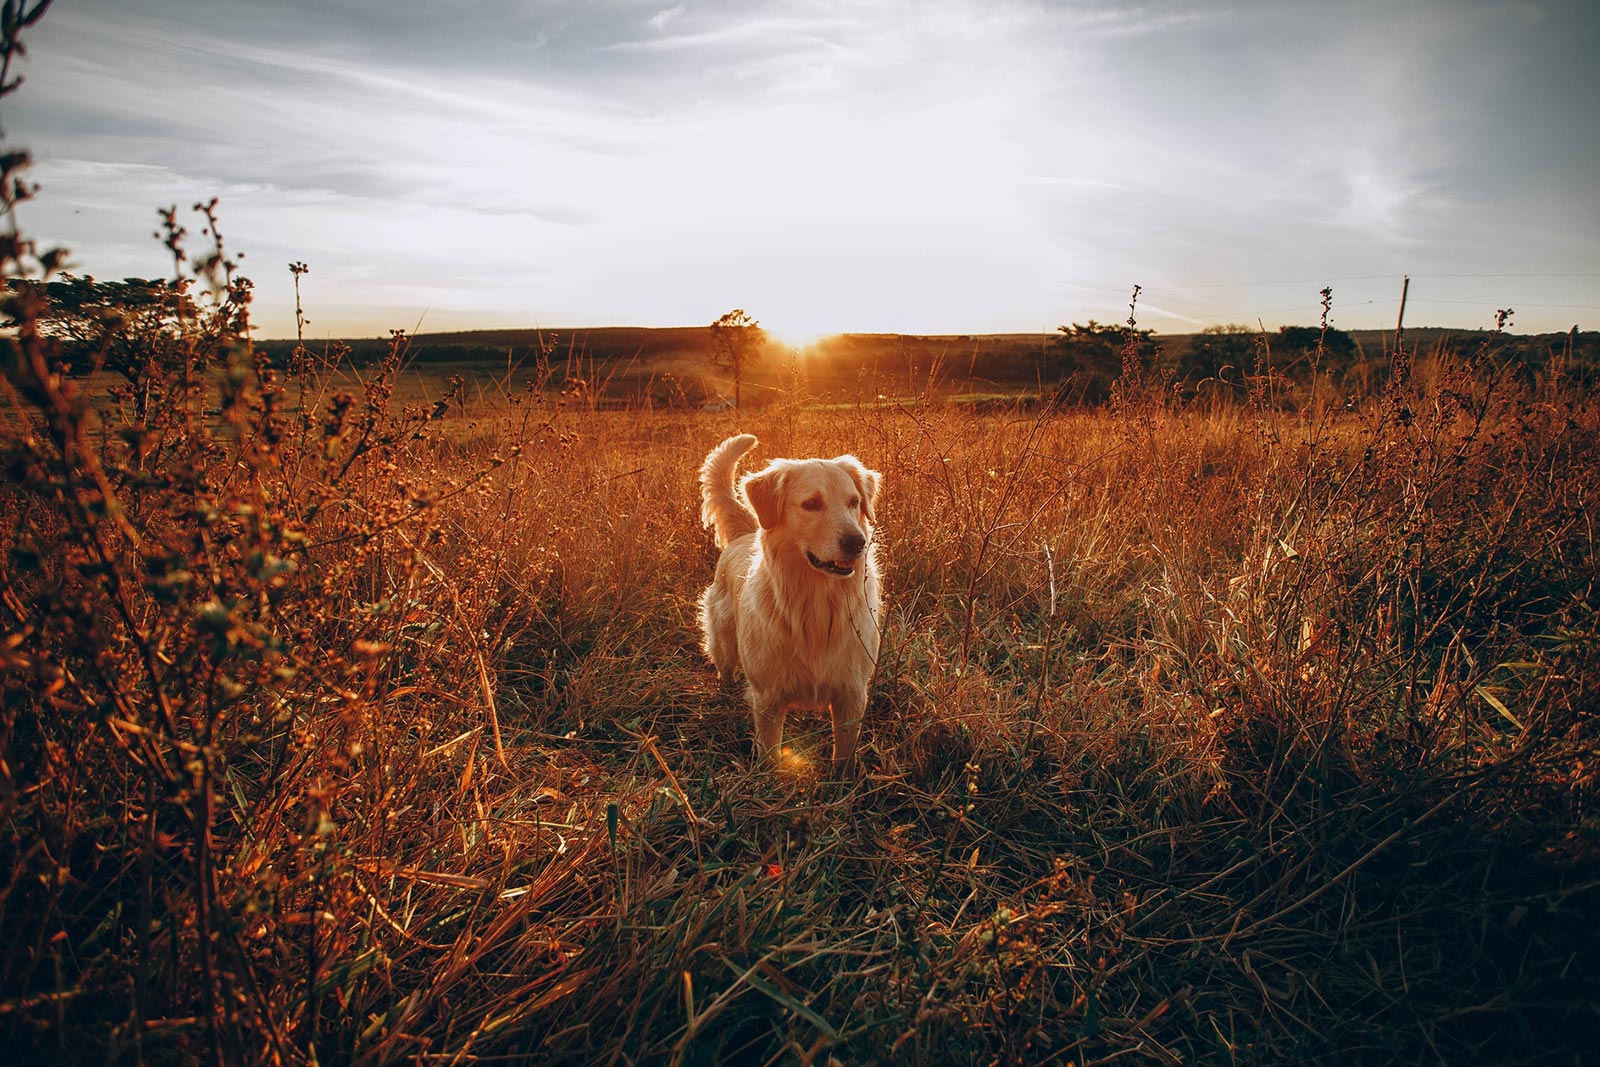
x=123 y=325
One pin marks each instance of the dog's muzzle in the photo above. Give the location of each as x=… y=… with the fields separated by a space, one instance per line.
x=850 y=545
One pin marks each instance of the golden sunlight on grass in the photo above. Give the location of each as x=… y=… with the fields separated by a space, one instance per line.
x=798 y=766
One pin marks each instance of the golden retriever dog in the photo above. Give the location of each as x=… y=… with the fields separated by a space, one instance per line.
x=795 y=597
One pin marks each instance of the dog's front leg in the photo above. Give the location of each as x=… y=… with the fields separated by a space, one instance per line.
x=769 y=716
x=848 y=710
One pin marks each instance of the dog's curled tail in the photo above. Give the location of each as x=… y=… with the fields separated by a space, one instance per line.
x=721 y=510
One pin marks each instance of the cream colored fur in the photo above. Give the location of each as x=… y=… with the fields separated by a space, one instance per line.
x=794 y=601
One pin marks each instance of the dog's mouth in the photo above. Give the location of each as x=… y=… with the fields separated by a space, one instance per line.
x=842 y=570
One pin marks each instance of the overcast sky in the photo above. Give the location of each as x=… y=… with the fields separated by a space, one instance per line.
x=934 y=166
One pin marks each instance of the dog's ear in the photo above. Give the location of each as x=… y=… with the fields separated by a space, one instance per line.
x=765 y=490
x=867 y=482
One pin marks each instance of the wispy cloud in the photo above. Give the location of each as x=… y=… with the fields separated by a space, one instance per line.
x=660 y=19
x=767 y=33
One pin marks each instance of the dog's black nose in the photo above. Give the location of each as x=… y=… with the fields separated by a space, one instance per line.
x=852 y=544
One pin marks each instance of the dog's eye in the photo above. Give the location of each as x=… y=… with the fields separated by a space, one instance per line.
x=814 y=504
x=855 y=502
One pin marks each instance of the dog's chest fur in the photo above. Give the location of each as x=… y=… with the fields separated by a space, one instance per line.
x=833 y=620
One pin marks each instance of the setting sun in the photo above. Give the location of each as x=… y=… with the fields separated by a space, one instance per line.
x=796 y=336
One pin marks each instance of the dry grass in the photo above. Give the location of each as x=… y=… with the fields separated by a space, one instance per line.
x=1225 y=735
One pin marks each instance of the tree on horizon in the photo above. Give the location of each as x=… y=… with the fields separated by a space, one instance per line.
x=736 y=341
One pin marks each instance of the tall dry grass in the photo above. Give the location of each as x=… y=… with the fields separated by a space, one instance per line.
x=1197 y=735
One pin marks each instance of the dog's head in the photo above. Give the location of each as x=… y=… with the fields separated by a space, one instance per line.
x=824 y=508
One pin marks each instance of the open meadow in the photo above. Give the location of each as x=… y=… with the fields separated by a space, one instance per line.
x=341 y=729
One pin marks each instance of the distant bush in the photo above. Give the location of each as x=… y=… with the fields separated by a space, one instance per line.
x=1088 y=359
x=119 y=326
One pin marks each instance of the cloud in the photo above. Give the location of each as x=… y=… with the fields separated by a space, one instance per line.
x=659 y=20
x=777 y=34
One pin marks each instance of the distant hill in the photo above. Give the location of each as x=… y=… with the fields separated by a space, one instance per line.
x=626 y=360
x=672 y=365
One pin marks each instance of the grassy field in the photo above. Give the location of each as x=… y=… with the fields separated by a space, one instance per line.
x=347 y=725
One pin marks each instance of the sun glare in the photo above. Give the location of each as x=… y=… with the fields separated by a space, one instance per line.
x=796 y=334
